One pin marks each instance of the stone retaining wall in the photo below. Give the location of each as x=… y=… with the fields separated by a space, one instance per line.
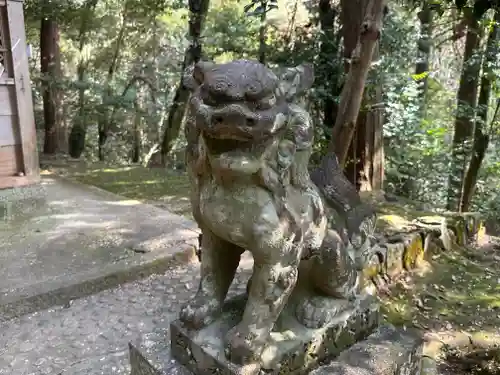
x=406 y=237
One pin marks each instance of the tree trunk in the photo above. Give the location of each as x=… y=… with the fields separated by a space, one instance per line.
x=77 y=136
x=352 y=12
x=378 y=156
x=464 y=120
x=367 y=165
x=137 y=133
x=352 y=18
x=262 y=33
x=408 y=182
x=76 y=141
x=424 y=52
x=197 y=13
x=50 y=68
x=327 y=73
x=370 y=144
x=352 y=93
x=105 y=120
x=364 y=166
x=481 y=137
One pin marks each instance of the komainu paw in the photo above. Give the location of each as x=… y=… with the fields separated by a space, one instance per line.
x=243 y=347
x=200 y=312
x=317 y=311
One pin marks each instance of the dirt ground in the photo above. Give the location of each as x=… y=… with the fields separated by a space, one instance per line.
x=454 y=297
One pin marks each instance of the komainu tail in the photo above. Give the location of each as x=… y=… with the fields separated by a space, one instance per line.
x=340 y=193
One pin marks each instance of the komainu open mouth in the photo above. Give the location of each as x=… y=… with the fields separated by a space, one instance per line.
x=219 y=146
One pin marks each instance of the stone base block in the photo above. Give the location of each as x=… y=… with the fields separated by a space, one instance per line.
x=388 y=351
x=294 y=348
x=140 y=365
x=20 y=202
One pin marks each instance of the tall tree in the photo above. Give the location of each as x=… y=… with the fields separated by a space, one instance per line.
x=481 y=133
x=198 y=10
x=263 y=33
x=466 y=106
x=407 y=181
x=328 y=70
x=50 y=69
x=367 y=145
x=424 y=45
x=77 y=136
x=355 y=135
x=105 y=122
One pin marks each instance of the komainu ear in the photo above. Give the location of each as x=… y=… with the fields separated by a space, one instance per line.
x=295 y=81
x=195 y=74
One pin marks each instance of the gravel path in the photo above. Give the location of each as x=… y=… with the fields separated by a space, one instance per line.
x=91 y=335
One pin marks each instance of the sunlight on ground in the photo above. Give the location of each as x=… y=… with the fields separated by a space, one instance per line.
x=456 y=302
x=459 y=295
x=163 y=188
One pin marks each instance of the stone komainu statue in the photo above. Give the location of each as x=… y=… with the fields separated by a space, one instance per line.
x=247 y=155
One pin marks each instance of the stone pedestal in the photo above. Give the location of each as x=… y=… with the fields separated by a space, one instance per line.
x=294 y=348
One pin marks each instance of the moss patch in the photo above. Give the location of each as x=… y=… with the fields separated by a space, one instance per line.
x=414 y=251
x=453 y=292
x=471 y=362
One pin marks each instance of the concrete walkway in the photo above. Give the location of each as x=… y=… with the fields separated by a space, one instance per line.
x=84 y=240
x=90 y=335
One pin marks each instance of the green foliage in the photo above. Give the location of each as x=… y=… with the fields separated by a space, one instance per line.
x=412 y=143
x=121 y=62
x=476 y=7
x=230 y=33
x=258 y=7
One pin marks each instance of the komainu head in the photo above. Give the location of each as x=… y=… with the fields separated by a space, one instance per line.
x=243 y=101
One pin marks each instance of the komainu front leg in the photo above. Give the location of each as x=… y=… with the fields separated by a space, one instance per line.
x=219 y=261
x=335 y=282
x=273 y=281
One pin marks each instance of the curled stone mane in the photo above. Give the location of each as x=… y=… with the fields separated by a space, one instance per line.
x=240 y=79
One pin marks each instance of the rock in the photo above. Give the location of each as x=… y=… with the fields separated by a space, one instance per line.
x=428 y=366
x=388 y=351
x=414 y=250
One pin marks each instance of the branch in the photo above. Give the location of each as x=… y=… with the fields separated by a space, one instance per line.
x=132 y=81
x=153 y=150
x=144 y=80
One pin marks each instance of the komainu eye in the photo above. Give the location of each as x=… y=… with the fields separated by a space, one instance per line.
x=251 y=122
x=265 y=103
